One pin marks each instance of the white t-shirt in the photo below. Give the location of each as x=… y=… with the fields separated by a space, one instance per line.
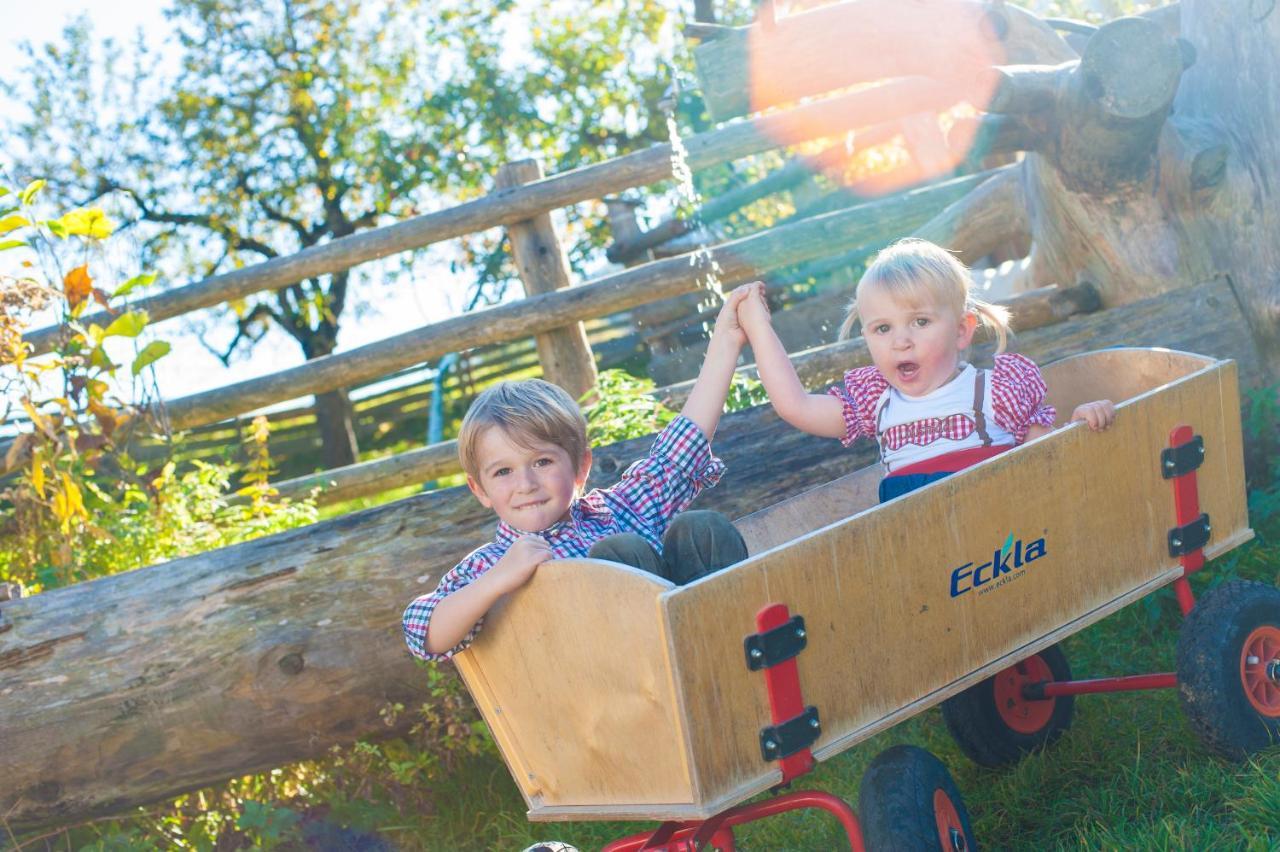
x=913 y=429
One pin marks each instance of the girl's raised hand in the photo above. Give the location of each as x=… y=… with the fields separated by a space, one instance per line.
x=1099 y=415
x=753 y=312
x=727 y=321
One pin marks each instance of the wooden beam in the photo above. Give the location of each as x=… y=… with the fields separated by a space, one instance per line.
x=564 y=352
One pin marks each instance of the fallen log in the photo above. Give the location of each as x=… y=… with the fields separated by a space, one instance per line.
x=138 y=687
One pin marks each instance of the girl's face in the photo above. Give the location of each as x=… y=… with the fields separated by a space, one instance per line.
x=916 y=346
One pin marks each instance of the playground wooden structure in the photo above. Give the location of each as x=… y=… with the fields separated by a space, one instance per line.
x=614 y=694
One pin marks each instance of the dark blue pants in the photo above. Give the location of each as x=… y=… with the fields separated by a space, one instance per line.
x=896 y=486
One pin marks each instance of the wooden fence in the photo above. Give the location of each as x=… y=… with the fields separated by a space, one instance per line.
x=553 y=310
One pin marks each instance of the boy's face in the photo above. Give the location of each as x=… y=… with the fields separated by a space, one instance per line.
x=529 y=487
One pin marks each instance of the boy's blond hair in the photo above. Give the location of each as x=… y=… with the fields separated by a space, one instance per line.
x=529 y=411
x=917 y=271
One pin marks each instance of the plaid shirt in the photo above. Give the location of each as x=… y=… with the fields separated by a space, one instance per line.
x=651 y=492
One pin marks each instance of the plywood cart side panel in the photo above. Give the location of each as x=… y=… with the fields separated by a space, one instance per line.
x=913 y=597
x=572 y=675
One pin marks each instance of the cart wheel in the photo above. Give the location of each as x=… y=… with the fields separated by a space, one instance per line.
x=1229 y=667
x=908 y=801
x=995 y=725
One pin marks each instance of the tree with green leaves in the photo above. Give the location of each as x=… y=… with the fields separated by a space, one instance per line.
x=294 y=122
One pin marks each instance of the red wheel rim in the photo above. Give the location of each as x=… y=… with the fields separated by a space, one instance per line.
x=1260 y=670
x=947 y=817
x=1021 y=714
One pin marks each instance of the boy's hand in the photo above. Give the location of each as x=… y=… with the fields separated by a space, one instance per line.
x=517 y=565
x=727 y=325
x=1099 y=415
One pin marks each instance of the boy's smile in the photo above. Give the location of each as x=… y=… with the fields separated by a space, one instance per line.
x=530 y=487
x=916 y=347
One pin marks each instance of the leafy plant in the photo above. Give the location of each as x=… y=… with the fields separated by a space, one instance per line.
x=78 y=506
x=623 y=408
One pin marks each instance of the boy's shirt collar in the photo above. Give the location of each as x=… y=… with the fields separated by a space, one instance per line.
x=589 y=506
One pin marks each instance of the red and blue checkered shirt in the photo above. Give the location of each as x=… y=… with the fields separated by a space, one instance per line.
x=651 y=492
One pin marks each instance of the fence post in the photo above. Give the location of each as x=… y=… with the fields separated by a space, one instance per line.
x=564 y=352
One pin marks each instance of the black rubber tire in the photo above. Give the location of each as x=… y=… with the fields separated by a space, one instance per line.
x=1209 y=647
x=975 y=724
x=895 y=803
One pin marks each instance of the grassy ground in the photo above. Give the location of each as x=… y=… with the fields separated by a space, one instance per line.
x=1129 y=774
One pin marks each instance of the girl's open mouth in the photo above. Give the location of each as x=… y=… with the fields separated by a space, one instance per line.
x=907 y=370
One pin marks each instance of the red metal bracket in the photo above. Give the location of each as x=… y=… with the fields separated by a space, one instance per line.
x=782 y=682
x=1186 y=503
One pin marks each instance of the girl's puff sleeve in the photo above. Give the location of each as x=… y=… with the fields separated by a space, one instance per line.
x=1017 y=395
x=859 y=392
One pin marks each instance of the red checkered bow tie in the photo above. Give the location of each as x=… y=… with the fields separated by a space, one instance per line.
x=924 y=432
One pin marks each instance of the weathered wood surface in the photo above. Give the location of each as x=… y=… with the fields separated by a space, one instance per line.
x=540 y=260
x=740 y=260
x=751 y=68
x=817 y=119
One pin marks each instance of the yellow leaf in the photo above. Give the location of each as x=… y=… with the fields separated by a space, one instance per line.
x=37 y=472
x=77 y=285
x=37 y=419
x=87 y=222
x=75 y=503
x=60 y=511
x=12 y=223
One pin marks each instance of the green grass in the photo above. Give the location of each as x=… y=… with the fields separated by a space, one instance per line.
x=1129 y=774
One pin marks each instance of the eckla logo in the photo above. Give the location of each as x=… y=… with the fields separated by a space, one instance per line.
x=1011 y=557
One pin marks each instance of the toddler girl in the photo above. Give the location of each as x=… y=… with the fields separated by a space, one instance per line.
x=932 y=413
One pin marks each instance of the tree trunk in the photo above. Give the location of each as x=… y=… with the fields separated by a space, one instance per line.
x=1150 y=162
x=138 y=687
x=335 y=418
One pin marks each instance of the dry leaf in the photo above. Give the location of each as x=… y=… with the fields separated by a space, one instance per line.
x=77 y=285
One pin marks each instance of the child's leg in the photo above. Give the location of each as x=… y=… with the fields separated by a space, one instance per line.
x=630 y=549
x=698 y=543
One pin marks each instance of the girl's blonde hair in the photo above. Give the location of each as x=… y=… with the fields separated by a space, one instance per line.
x=915 y=271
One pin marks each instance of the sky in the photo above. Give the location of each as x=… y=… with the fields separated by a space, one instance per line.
x=434 y=295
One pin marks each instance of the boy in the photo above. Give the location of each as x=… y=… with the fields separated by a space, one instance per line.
x=524 y=449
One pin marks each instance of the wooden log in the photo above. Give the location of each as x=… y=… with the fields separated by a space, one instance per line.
x=990 y=216
x=740 y=260
x=564 y=352
x=817 y=119
x=755 y=67
x=714 y=209
x=137 y=687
